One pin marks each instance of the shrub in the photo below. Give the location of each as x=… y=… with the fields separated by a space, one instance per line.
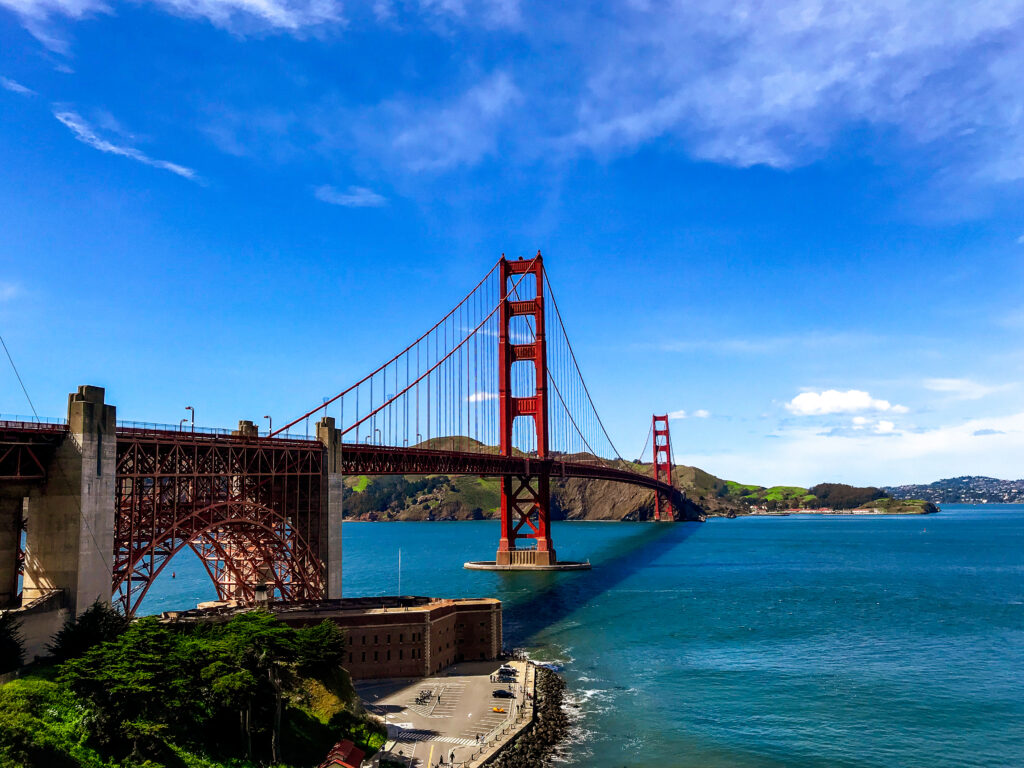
x=12 y=650
x=97 y=624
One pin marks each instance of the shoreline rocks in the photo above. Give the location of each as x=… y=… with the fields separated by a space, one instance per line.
x=539 y=741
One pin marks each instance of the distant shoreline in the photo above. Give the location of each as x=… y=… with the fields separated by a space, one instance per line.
x=857 y=512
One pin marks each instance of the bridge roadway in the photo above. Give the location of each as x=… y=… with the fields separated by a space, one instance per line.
x=363 y=459
x=23 y=446
x=254 y=508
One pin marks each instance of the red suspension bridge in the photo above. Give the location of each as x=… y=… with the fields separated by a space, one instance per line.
x=492 y=389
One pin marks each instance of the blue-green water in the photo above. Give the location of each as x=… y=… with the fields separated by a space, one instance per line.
x=786 y=641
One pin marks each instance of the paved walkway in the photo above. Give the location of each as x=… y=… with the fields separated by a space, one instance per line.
x=452 y=714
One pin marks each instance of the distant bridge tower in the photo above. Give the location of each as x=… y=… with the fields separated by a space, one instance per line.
x=525 y=499
x=662 y=445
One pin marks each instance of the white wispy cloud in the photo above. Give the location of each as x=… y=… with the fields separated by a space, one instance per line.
x=86 y=134
x=353 y=197
x=8 y=291
x=834 y=401
x=700 y=413
x=779 y=83
x=881 y=455
x=242 y=15
x=239 y=16
x=433 y=137
x=480 y=397
x=491 y=13
x=15 y=87
x=964 y=389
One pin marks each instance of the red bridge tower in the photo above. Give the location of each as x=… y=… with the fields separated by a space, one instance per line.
x=662 y=445
x=525 y=500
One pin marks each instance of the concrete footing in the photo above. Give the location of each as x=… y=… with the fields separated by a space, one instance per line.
x=525 y=559
x=491 y=565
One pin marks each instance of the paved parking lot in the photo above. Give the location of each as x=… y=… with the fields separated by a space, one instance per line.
x=429 y=718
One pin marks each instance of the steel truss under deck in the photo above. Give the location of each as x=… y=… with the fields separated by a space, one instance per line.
x=249 y=508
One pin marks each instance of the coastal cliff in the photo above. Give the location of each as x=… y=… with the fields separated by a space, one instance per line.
x=442 y=497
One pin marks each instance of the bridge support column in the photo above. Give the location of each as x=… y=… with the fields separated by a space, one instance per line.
x=331 y=509
x=70 y=526
x=11 y=509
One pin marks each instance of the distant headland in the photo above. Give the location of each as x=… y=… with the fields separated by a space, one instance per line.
x=443 y=497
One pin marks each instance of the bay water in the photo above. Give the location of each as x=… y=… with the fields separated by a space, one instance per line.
x=761 y=641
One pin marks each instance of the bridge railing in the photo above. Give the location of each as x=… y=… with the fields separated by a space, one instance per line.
x=151 y=426
x=40 y=423
x=163 y=430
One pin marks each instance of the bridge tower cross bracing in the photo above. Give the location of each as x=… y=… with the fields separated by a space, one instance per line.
x=525 y=499
x=662 y=450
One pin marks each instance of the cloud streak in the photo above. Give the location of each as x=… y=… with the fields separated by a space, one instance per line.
x=963 y=389
x=86 y=134
x=353 y=197
x=15 y=87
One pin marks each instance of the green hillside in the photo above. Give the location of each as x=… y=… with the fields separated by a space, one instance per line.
x=441 y=497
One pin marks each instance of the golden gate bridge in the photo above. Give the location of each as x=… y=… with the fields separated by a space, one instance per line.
x=493 y=389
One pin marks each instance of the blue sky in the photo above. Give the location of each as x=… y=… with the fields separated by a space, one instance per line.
x=796 y=225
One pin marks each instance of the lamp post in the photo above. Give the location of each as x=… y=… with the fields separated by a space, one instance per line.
x=193 y=412
x=270 y=425
x=181 y=424
x=376 y=431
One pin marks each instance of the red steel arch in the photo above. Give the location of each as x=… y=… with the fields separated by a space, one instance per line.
x=249 y=508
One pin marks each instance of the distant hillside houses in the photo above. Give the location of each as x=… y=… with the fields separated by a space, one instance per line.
x=969 y=489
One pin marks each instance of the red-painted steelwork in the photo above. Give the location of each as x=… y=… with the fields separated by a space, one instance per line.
x=662 y=449
x=26 y=448
x=524 y=504
x=249 y=507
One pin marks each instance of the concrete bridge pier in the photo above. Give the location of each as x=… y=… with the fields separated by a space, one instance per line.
x=331 y=511
x=12 y=503
x=70 y=527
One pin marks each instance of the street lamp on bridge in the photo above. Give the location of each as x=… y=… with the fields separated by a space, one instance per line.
x=193 y=411
x=270 y=424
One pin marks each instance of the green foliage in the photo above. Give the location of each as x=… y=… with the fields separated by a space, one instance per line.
x=137 y=687
x=40 y=725
x=12 y=651
x=387 y=492
x=839 y=496
x=901 y=506
x=319 y=648
x=97 y=624
x=186 y=695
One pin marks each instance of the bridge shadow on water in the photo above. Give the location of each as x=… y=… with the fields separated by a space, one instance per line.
x=552 y=596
